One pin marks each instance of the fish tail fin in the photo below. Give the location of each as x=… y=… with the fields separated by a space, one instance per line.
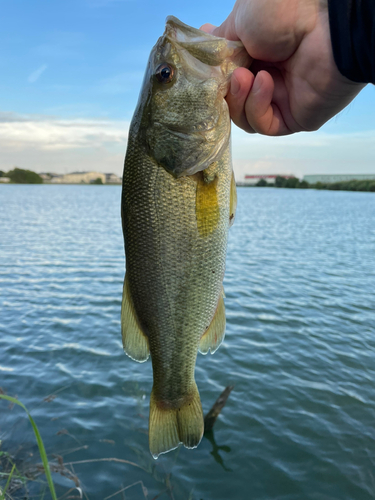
x=168 y=427
x=190 y=420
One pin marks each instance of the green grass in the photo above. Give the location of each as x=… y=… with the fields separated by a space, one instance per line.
x=7 y=483
x=42 y=451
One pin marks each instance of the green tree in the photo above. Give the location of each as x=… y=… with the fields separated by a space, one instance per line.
x=336 y=186
x=363 y=186
x=350 y=185
x=261 y=183
x=20 y=176
x=97 y=181
x=353 y=185
x=292 y=182
x=280 y=181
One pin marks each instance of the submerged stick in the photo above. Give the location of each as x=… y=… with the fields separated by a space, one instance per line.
x=210 y=418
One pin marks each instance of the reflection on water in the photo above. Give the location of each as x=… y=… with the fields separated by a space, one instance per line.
x=299 y=349
x=216 y=449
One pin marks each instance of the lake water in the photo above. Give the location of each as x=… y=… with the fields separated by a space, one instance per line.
x=299 y=349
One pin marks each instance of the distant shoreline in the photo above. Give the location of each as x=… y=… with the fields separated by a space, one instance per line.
x=27 y=177
x=22 y=176
x=57 y=184
x=332 y=187
x=294 y=183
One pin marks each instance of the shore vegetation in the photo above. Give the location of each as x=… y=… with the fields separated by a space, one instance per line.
x=97 y=181
x=21 y=176
x=8 y=470
x=295 y=183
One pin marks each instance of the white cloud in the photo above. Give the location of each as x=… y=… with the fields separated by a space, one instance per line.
x=48 y=133
x=35 y=75
x=304 y=153
x=45 y=143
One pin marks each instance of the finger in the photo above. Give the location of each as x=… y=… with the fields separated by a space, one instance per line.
x=281 y=98
x=208 y=28
x=241 y=83
x=227 y=29
x=263 y=115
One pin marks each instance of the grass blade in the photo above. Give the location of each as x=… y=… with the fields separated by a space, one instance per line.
x=42 y=451
x=8 y=481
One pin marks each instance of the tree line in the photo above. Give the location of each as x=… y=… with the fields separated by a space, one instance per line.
x=20 y=176
x=295 y=183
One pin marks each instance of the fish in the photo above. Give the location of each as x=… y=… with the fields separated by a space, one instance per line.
x=178 y=202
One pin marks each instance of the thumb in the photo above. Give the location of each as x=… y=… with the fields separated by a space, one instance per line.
x=225 y=30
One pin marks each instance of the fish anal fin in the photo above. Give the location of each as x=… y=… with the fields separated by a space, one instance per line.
x=214 y=335
x=168 y=427
x=233 y=200
x=134 y=341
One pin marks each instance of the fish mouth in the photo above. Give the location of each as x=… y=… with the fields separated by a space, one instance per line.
x=206 y=47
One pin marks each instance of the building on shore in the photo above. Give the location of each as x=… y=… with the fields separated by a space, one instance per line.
x=47 y=177
x=112 y=179
x=252 y=180
x=78 y=178
x=329 y=179
x=81 y=178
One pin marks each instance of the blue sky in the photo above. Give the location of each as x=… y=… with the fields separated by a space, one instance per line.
x=71 y=72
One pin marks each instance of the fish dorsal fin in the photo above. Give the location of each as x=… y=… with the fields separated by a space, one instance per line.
x=134 y=340
x=233 y=200
x=213 y=337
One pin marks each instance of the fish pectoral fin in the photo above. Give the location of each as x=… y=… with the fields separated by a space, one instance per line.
x=134 y=340
x=168 y=427
x=207 y=208
x=233 y=200
x=213 y=337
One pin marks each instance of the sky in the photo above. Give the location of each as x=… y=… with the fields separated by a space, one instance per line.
x=71 y=72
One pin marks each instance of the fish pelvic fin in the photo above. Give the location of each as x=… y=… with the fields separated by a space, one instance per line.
x=134 y=341
x=233 y=200
x=213 y=337
x=168 y=427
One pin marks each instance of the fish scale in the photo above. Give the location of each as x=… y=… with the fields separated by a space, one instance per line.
x=175 y=224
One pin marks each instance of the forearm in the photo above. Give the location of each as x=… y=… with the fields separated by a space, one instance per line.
x=352 y=26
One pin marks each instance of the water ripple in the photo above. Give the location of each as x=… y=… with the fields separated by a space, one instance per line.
x=299 y=346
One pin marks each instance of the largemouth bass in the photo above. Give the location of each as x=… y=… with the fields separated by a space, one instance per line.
x=178 y=201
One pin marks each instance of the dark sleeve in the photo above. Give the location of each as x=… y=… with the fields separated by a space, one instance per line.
x=352 y=25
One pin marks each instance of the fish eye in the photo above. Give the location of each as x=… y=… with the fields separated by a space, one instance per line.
x=164 y=73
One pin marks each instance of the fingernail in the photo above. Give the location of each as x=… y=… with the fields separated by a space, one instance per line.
x=257 y=83
x=234 y=85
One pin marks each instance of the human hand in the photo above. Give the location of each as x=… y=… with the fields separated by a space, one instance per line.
x=294 y=84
